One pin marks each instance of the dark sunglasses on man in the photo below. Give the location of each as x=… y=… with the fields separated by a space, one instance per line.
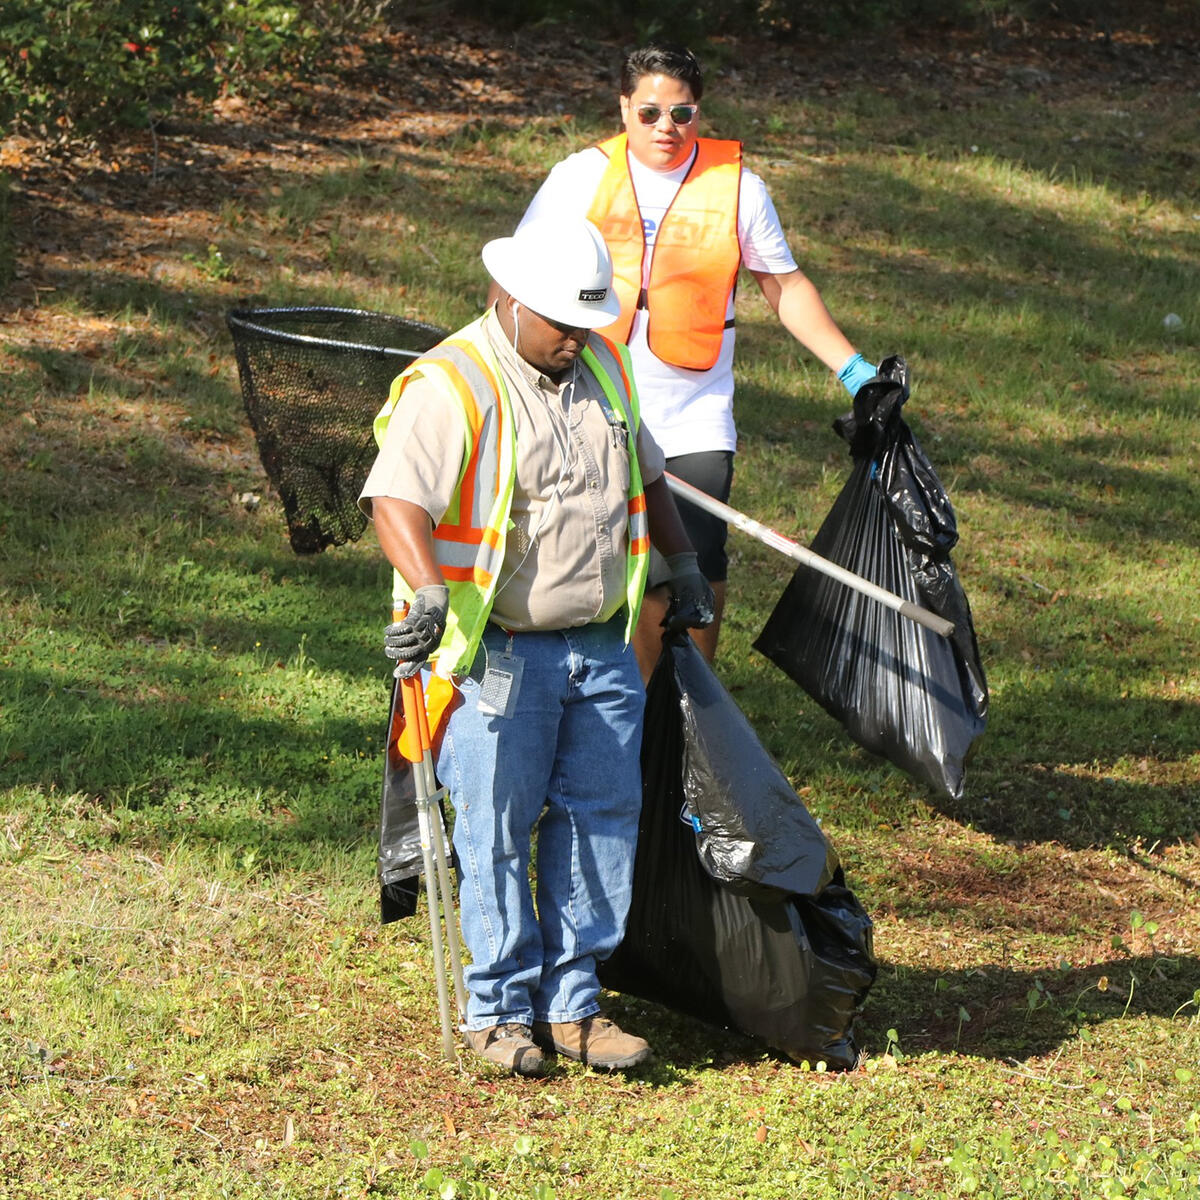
x=680 y=114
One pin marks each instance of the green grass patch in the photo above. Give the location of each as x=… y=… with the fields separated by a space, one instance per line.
x=196 y=997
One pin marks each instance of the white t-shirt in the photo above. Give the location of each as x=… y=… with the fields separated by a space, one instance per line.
x=687 y=411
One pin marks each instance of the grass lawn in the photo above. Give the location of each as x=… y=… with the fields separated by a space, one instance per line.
x=196 y=997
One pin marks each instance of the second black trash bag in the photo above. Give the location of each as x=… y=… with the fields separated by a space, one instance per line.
x=791 y=971
x=753 y=834
x=898 y=689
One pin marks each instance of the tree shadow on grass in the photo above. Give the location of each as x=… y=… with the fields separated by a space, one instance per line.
x=1065 y=763
x=1039 y=783
x=179 y=765
x=1010 y=1014
x=1081 y=807
x=1043 y=794
x=998 y=1013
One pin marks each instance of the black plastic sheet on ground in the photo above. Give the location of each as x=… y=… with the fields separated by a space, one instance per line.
x=790 y=970
x=899 y=689
x=312 y=381
x=400 y=860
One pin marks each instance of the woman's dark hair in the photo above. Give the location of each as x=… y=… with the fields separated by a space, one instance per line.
x=662 y=58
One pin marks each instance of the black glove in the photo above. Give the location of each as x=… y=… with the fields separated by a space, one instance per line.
x=412 y=640
x=693 y=604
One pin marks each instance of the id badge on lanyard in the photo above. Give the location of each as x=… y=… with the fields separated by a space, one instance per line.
x=501 y=683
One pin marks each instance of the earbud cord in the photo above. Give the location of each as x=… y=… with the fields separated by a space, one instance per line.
x=565 y=446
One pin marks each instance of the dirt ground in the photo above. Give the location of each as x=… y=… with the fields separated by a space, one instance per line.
x=145 y=189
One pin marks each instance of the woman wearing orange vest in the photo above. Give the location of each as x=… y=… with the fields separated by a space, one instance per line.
x=681 y=214
x=515 y=493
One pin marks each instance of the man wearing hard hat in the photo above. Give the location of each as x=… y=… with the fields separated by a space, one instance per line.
x=516 y=493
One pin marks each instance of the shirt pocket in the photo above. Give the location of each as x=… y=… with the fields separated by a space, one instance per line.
x=618 y=446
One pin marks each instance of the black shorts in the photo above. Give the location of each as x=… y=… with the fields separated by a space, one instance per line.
x=711 y=471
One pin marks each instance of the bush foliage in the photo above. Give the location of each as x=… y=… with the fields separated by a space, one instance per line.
x=86 y=64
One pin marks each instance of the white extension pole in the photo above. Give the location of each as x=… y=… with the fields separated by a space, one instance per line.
x=800 y=554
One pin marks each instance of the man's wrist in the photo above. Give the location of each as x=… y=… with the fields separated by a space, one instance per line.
x=682 y=563
x=434 y=593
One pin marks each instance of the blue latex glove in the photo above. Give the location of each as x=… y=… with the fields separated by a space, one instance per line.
x=855 y=372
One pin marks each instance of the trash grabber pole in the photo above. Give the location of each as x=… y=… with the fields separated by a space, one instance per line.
x=438 y=835
x=414 y=704
x=800 y=554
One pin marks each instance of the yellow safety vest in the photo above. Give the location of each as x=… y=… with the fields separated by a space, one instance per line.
x=469 y=541
x=696 y=252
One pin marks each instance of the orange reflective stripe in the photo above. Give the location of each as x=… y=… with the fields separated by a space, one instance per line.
x=470 y=527
x=696 y=253
x=468 y=490
x=609 y=361
x=626 y=378
x=474 y=574
x=484 y=461
x=465 y=528
x=468 y=535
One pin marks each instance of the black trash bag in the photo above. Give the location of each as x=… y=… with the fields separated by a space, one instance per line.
x=313 y=380
x=791 y=972
x=899 y=689
x=753 y=834
x=399 y=861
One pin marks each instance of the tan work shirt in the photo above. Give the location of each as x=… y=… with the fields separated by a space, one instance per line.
x=565 y=558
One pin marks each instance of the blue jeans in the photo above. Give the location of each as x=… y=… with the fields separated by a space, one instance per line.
x=566 y=762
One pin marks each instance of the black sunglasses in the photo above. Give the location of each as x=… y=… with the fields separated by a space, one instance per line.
x=563 y=328
x=680 y=114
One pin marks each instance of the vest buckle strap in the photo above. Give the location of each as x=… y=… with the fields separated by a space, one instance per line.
x=643 y=303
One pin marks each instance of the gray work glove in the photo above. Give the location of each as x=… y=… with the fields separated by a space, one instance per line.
x=412 y=640
x=692 y=602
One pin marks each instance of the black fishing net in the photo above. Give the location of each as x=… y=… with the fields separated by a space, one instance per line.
x=312 y=381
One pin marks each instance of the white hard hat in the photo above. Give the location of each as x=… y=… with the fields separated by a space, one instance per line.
x=559 y=268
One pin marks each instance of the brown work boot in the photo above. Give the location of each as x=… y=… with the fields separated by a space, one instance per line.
x=596 y=1041
x=508 y=1046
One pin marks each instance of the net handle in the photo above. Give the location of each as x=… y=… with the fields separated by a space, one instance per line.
x=798 y=553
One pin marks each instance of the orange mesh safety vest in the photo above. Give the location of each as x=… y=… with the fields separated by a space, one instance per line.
x=696 y=253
